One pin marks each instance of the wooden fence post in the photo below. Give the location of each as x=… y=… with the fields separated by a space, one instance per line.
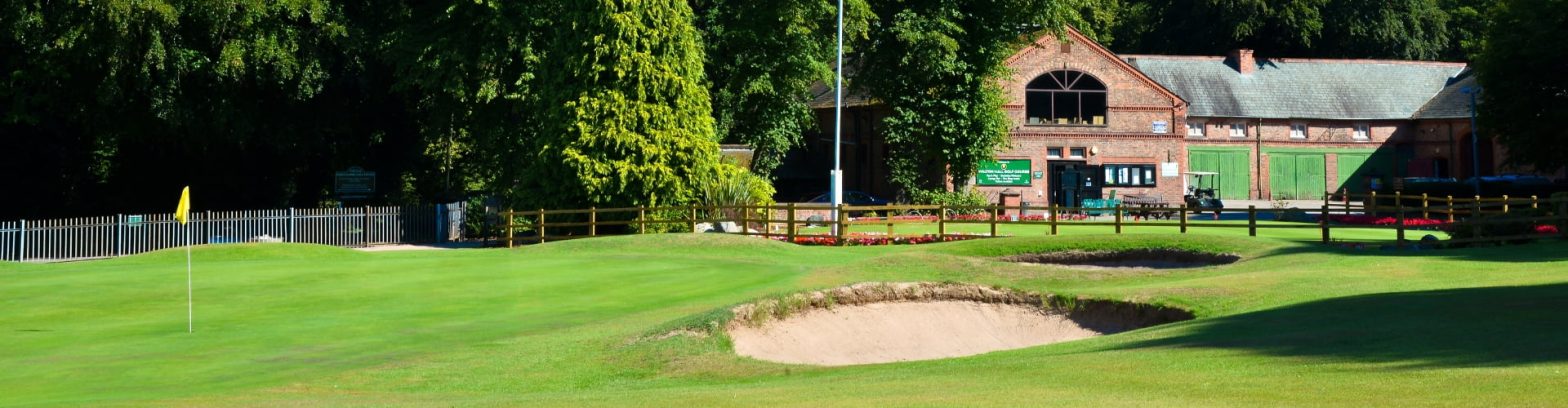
x=1399 y=200
x=993 y=221
x=1426 y=210
x=1054 y=211
x=941 y=222
x=1323 y=219
x=743 y=219
x=1477 y=212
x=691 y=218
x=540 y=227
x=593 y=221
x=1505 y=203
x=1370 y=207
x=510 y=220
x=1450 y=209
x=642 y=220
x=1535 y=202
x=1252 y=220
x=1399 y=221
x=1183 y=213
x=843 y=224
x=1118 y=210
x=789 y=230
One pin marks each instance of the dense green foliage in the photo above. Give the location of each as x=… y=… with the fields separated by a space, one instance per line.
x=625 y=119
x=111 y=106
x=934 y=64
x=964 y=197
x=1525 y=96
x=763 y=58
x=108 y=103
x=563 y=324
x=1401 y=29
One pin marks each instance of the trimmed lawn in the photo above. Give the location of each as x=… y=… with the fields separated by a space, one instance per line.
x=567 y=323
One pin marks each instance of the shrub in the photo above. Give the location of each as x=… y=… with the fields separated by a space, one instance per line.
x=968 y=197
x=1514 y=224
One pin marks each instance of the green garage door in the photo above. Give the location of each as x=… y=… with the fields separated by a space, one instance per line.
x=1232 y=165
x=1356 y=168
x=1296 y=176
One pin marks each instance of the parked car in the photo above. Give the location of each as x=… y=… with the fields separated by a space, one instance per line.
x=851 y=197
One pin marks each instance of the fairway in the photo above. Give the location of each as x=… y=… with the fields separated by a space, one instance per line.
x=581 y=323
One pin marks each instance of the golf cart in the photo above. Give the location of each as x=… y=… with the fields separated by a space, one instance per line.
x=1202 y=189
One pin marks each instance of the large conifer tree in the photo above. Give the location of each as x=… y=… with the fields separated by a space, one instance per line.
x=625 y=115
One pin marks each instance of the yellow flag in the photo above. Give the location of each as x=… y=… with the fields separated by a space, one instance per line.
x=183 y=212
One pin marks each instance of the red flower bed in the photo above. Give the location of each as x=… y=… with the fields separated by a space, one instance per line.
x=1382 y=220
x=1547 y=230
x=870 y=240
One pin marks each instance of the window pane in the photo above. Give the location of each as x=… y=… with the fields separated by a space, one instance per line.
x=1066 y=107
x=1094 y=104
x=1038 y=110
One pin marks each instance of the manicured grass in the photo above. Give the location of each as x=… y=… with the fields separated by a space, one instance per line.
x=564 y=324
x=1291 y=231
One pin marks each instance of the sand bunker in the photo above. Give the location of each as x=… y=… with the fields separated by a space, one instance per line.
x=881 y=323
x=1136 y=258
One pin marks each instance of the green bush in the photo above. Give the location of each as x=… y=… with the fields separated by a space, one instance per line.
x=1515 y=223
x=968 y=197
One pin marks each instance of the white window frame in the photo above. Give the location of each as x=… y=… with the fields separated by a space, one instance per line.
x=1197 y=129
x=1077 y=152
x=1238 y=127
x=1361 y=132
x=1057 y=154
x=1302 y=127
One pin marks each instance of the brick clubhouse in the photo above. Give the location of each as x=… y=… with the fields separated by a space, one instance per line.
x=1087 y=121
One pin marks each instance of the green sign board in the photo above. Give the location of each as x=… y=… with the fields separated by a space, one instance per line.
x=1004 y=173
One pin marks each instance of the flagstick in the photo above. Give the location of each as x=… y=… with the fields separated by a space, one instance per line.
x=190 y=302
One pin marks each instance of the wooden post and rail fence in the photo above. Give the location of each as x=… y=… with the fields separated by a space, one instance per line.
x=796 y=222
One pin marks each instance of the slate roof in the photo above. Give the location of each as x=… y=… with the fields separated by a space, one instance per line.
x=1303 y=88
x=822 y=96
x=1450 y=103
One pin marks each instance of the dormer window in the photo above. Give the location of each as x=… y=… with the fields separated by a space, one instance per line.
x=1066 y=98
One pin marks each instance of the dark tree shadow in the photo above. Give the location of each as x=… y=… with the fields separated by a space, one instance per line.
x=1546 y=250
x=1498 y=326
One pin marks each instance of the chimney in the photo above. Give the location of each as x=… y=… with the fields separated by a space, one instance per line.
x=1245 y=63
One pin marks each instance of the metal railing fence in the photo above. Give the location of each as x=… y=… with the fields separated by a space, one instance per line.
x=127 y=234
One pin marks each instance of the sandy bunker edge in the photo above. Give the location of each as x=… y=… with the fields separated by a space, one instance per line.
x=1143 y=258
x=871 y=323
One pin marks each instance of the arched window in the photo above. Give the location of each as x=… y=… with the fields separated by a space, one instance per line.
x=1066 y=98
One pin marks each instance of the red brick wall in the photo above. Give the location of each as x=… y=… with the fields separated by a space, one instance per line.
x=1135 y=103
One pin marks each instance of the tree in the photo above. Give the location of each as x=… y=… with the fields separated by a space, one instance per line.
x=1526 y=94
x=625 y=119
x=935 y=65
x=111 y=101
x=762 y=59
x=467 y=71
x=1407 y=29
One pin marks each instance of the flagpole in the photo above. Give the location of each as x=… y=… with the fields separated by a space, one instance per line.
x=190 y=301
